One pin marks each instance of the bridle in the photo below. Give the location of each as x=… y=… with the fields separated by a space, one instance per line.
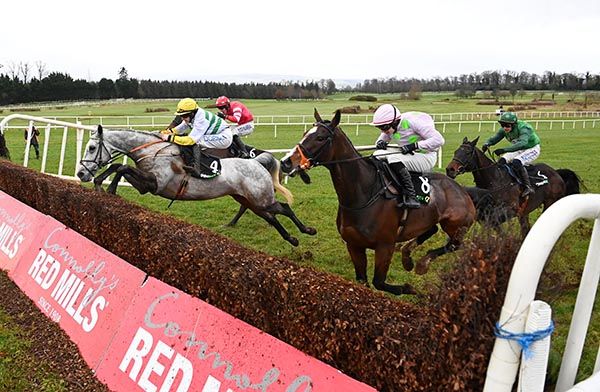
x=98 y=157
x=102 y=147
x=310 y=159
x=472 y=164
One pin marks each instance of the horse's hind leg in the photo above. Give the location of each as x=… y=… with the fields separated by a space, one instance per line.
x=407 y=248
x=383 y=258
x=454 y=241
x=285 y=209
x=270 y=218
x=237 y=216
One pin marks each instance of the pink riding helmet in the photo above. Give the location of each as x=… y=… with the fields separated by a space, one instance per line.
x=385 y=114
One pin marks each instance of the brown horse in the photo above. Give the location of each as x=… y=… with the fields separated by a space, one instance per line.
x=366 y=219
x=498 y=197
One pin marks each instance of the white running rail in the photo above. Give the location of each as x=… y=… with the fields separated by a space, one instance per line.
x=505 y=358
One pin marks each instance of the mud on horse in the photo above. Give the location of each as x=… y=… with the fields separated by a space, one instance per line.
x=368 y=220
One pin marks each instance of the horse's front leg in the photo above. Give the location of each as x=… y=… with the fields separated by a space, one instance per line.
x=383 y=259
x=103 y=176
x=141 y=180
x=358 y=255
x=524 y=224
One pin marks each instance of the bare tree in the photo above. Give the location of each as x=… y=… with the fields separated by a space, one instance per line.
x=41 y=68
x=24 y=69
x=13 y=70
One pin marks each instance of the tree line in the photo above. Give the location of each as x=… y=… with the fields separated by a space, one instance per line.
x=21 y=83
x=56 y=86
x=486 y=81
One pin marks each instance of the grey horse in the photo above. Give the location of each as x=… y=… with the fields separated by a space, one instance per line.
x=160 y=170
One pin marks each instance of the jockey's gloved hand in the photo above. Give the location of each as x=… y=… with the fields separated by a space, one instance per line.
x=485 y=147
x=220 y=114
x=499 y=151
x=167 y=137
x=381 y=145
x=408 y=148
x=166 y=131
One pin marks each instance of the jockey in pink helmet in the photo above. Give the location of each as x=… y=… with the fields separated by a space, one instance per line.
x=417 y=143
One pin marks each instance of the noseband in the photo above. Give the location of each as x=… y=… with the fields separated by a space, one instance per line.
x=308 y=159
x=98 y=156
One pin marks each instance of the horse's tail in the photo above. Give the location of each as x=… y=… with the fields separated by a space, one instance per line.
x=269 y=162
x=572 y=181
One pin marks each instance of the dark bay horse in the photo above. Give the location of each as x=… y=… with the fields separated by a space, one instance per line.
x=368 y=220
x=159 y=169
x=498 y=197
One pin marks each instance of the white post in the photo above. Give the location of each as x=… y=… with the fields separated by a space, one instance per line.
x=46 y=144
x=582 y=313
x=63 y=146
x=479 y=130
x=528 y=266
x=78 y=146
x=275 y=132
x=356 y=129
x=28 y=143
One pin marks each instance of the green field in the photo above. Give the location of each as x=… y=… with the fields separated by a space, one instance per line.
x=316 y=204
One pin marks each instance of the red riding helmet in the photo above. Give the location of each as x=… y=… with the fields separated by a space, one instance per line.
x=222 y=101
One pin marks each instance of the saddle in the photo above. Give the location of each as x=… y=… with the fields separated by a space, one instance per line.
x=536 y=177
x=394 y=187
x=209 y=166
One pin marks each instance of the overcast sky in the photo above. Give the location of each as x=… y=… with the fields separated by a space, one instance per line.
x=200 y=40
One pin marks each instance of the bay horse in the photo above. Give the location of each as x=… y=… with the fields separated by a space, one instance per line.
x=160 y=171
x=366 y=219
x=501 y=197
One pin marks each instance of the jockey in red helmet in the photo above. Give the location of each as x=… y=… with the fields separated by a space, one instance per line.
x=237 y=113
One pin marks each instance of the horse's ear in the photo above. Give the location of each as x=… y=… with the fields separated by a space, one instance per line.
x=318 y=116
x=474 y=142
x=465 y=140
x=336 y=119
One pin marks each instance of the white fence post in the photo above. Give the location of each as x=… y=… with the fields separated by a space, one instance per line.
x=47 y=130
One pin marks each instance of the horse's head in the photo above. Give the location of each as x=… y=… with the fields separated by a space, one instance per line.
x=315 y=147
x=464 y=159
x=95 y=157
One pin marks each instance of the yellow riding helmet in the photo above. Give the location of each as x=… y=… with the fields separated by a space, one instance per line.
x=185 y=106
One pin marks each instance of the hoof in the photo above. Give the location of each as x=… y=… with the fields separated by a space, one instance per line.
x=310 y=231
x=422 y=267
x=293 y=240
x=408 y=289
x=407 y=263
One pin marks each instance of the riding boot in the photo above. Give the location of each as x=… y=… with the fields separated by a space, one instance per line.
x=195 y=172
x=408 y=190
x=528 y=189
x=240 y=147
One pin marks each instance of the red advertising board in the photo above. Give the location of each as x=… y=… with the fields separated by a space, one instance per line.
x=19 y=225
x=171 y=341
x=83 y=287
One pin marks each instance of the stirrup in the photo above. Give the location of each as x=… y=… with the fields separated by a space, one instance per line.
x=408 y=202
x=527 y=191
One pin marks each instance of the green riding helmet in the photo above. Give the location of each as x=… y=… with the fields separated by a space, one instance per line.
x=508 y=117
